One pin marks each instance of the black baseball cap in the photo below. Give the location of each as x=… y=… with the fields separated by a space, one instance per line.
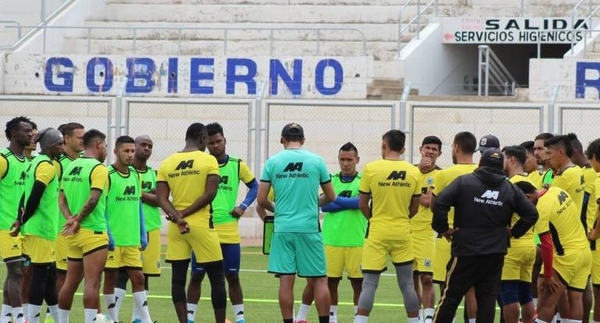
x=292 y=129
x=487 y=142
x=492 y=158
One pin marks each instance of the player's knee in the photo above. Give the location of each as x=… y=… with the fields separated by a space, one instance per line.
x=426 y=280
x=509 y=292
x=14 y=270
x=525 y=293
x=233 y=279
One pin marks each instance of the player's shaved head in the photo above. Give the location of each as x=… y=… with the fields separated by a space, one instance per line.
x=141 y=138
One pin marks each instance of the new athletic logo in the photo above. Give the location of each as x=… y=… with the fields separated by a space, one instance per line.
x=147 y=186
x=184 y=164
x=489 y=194
x=489 y=197
x=129 y=190
x=345 y=193
x=24 y=175
x=293 y=167
x=396 y=175
x=223 y=179
x=397 y=178
x=76 y=171
x=562 y=197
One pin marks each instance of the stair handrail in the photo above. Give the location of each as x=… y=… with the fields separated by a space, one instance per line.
x=19 y=30
x=490 y=66
x=415 y=20
x=180 y=30
x=585 y=31
x=44 y=21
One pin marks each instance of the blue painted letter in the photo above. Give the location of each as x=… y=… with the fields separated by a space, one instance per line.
x=140 y=73
x=293 y=83
x=237 y=64
x=338 y=77
x=101 y=69
x=581 y=82
x=63 y=67
x=202 y=75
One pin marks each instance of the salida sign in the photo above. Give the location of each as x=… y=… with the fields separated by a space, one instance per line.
x=512 y=30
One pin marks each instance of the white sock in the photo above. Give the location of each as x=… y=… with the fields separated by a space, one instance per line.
x=302 y=312
x=428 y=313
x=141 y=303
x=25 y=309
x=574 y=321
x=119 y=297
x=413 y=320
x=53 y=309
x=63 y=315
x=34 y=314
x=361 y=319
x=534 y=300
x=238 y=312
x=90 y=315
x=191 y=311
x=472 y=320
x=6 y=314
x=333 y=311
x=540 y=321
x=355 y=310
x=17 y=313
x=595 y=321
x=109 y=300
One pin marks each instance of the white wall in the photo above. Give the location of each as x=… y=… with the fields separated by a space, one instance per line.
x=544 y=74
x=438 y=69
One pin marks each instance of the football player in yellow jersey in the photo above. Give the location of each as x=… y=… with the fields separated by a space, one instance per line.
x=463 y=148
x=544 y=175
x=593 y=154
x=566 y=253
x=515 y=287
x=567 y=175
x=530 y=164
x=392 y=186
x=588 y=210
x=420 y=227
x=191 y=176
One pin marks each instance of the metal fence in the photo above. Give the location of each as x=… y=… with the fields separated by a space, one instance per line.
x=52 y=111
x=581 y=119
x=166 y=120
x=512 y=123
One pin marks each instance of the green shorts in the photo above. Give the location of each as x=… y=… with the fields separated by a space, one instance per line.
x=297 y=253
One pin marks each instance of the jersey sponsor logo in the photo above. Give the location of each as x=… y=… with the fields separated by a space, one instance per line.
x=396 y=175
x=129 y=190
x=147 y=185
x=489 y=197
x=345 y=193
x=429 y=181
x=293 y=167
x=223 y=179
x=76 y=171
x=290 y=169
x=23 y=175
x=562 y=197
x=489 y=194
x=184 y=164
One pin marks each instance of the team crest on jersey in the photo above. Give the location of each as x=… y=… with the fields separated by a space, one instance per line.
x=427 y=262
x=429 y=180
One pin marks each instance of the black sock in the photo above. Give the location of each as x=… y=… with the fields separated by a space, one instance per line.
x=323 y=319
x=288 y=320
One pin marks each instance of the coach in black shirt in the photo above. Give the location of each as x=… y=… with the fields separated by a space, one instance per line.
x=483 y=202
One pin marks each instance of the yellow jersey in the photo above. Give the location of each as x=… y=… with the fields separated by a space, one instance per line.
x=559 y=215
x=571 y=180
x=537 y=177
x=590 y=176
x=527 y=239
x=444 y=177
x=422 y=220
x=186 y=174
x=392 y=184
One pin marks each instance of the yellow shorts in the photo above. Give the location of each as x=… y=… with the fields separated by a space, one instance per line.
x=339 y=257
x=441 y=259
x=38 y=250
x=151 y=255
x=60 y=252
x=518 y=264
x=11 y=248
x=424 y=251
x=574 y=268
x=596 y=267
x=204 y=242
x=124 y=257
x=375 y=254
x=85 y=242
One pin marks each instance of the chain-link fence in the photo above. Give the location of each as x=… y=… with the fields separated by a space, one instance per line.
x=53 y=111
x=511 y=123
x=166 y=122
x=330 y=124
x=581 y=119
